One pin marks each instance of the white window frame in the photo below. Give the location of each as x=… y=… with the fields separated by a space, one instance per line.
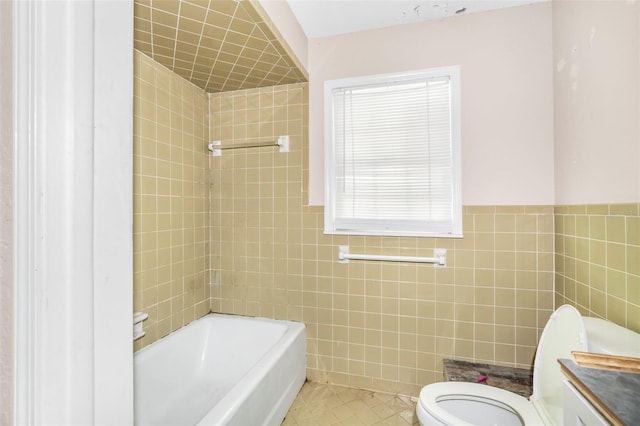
x=453 y=73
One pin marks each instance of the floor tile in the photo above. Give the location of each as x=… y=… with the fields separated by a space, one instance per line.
x=323 y=404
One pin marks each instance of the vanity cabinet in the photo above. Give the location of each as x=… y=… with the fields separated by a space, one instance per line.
x=598 y=396
x=577 y=410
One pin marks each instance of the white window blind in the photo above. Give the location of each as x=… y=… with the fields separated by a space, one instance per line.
x=392 y=158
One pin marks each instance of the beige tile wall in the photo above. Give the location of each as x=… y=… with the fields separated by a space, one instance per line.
x=374 y=325
x=219 y=46
x=170 y=200
x=598 y=261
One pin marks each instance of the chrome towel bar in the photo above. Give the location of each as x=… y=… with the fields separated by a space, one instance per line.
x=283 y=142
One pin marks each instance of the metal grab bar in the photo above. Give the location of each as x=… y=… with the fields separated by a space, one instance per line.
x=439 y=257
x=283 y=142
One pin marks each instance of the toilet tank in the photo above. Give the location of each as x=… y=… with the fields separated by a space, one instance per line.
x=606 y=337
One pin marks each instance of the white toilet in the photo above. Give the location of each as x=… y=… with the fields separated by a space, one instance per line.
x=460 y=403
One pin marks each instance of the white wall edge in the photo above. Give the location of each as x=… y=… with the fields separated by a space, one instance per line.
x=65 y=238
x=113 y=213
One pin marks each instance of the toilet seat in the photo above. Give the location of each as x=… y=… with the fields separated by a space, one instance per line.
x=436 y=392
x=563 y=333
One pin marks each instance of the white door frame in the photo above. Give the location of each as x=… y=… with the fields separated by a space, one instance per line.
x=73 y=97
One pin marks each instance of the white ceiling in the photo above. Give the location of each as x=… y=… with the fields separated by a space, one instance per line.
x=322 y=18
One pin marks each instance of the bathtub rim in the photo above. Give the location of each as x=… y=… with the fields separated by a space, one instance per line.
x=293 y=331
x=229 y=405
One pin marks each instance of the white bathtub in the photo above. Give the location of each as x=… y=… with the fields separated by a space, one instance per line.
x=221 y=370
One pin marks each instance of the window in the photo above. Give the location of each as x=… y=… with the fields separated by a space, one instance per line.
x=392 y=154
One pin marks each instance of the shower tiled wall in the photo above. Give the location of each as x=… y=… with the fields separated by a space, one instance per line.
x=598 y=261
x=170 y=223
x=374 y=325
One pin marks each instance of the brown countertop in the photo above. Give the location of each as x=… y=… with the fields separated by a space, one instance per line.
x=516 y=380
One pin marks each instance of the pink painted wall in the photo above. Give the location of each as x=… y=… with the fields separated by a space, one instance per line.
x=286 y=23
x=507 y=94
x=597 y=101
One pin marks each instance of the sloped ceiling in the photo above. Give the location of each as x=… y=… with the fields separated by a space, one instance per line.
x=218 y=45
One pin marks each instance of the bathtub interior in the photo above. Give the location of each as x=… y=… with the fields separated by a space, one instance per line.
x=181 y=377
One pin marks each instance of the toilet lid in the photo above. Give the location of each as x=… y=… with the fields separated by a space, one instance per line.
x=563 y=333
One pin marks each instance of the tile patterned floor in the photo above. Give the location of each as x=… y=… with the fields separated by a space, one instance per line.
x=321 y=404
